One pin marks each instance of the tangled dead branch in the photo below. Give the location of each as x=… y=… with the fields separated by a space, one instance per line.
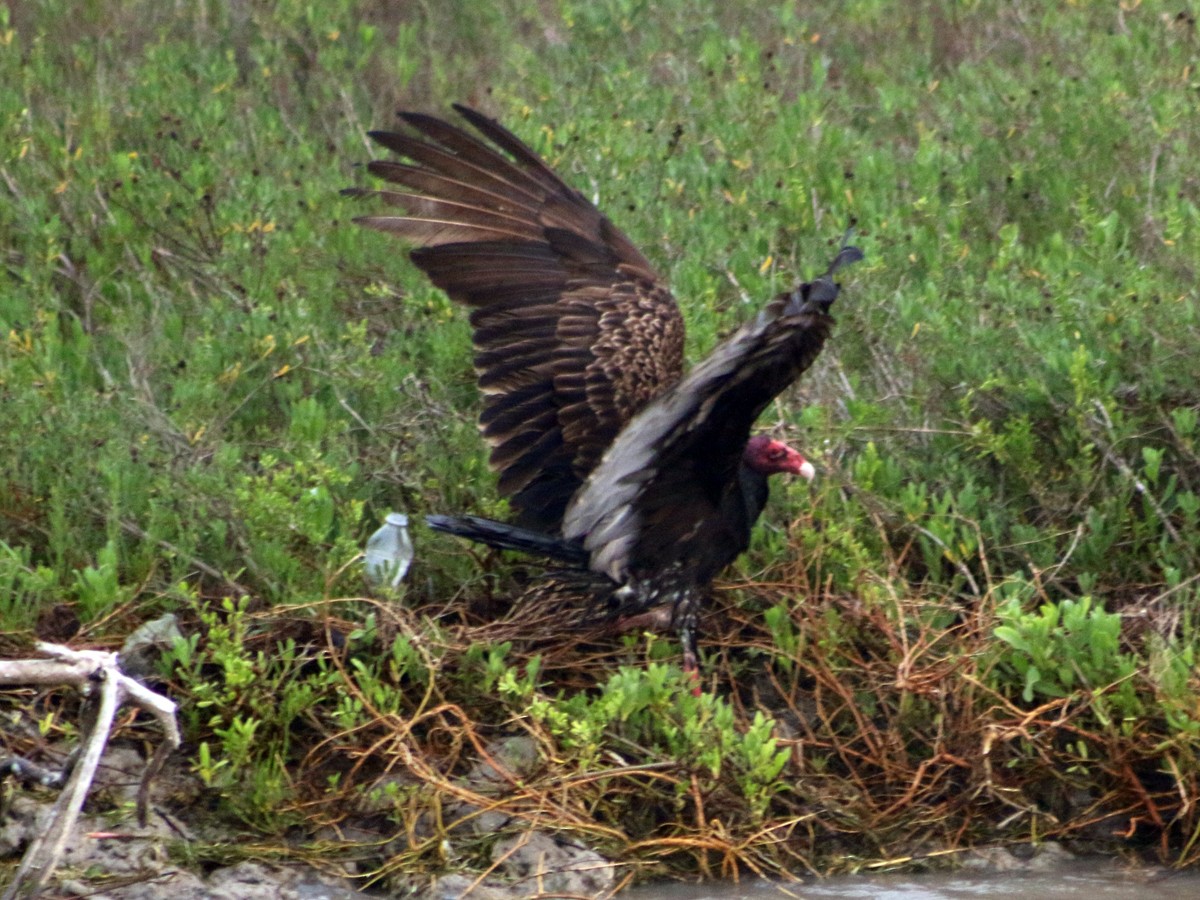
x=97 y=675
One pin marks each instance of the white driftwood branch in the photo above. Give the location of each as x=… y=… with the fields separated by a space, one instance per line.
x=88 y=671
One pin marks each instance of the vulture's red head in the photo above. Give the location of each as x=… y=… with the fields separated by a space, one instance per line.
x=768 y=456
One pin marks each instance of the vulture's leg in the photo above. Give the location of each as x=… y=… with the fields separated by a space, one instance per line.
x=680 y=609
x=687 y=610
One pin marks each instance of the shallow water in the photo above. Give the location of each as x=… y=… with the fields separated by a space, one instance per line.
x=1102 y=880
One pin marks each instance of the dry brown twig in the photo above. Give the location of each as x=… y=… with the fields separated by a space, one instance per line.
x=94 y=673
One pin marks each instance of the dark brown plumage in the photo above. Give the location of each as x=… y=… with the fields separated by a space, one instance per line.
x=574 y=331
x=613 y=462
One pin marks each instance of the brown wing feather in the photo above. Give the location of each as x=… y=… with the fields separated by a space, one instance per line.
x=655 y=500
x=574 y=332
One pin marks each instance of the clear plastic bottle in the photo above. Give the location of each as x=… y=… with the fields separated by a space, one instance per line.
x=389 y=552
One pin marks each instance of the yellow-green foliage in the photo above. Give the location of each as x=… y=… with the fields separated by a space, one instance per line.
x=214 y=386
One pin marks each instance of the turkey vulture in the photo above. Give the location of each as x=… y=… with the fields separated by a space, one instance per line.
x=613 y=461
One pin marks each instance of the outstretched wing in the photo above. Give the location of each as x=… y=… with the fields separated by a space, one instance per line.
x=655 y=499
x=574 y=331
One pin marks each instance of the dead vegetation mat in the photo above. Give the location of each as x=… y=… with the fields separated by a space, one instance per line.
x=901 y=749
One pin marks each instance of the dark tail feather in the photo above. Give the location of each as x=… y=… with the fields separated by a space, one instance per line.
x=510 y=537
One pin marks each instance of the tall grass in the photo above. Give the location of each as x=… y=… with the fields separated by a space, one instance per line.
x=215 y=387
